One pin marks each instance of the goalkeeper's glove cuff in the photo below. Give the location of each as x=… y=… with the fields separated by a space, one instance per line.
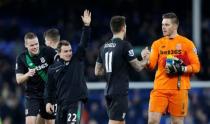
x=184 y=69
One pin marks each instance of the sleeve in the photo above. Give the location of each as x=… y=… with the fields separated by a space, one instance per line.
x=194 y=66
x=129 y=52
x=85 y=37
x=50 y=88
x=99 y=58
x=20 y=67
x=153 y=56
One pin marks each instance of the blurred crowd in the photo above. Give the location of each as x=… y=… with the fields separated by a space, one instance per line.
x=144 y=26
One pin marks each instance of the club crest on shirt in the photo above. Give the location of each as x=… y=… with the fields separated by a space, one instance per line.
x=130 y=53
x=178 y=46
x=42 y=60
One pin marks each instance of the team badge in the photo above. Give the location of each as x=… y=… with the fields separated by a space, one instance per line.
x=42 y=59
x=130 y=53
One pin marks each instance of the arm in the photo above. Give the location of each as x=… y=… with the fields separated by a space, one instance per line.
x=194 y=66
x=138 y=65
x=22 y=75
x=131 y=58
x=153 y=57
x=50 y=93
x=22 y=78
x=50 y=88
x=99 y=70
x=86 y=18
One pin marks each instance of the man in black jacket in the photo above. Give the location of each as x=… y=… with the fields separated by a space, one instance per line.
x=66 y=82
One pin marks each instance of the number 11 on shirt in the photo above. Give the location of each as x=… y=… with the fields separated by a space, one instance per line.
x=108 y=61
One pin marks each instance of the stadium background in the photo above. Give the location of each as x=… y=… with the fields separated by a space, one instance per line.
x=144 y=25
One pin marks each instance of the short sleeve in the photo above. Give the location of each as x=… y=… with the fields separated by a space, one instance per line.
x=129 y=52
x=99 y=58
x=20 y=66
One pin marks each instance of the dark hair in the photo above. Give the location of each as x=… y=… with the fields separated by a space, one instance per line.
x=29 y=35
x=62 y=43
x=53 y=34
x=171 y=16
x=116 y=23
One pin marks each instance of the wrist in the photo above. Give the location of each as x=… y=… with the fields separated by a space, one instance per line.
x=184 y=69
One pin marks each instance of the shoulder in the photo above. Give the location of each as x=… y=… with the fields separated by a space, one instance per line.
x=125 y=43
x=186 y=41
x=21 y=55
x=47 y=49
x=54 y=66
x=158 y=41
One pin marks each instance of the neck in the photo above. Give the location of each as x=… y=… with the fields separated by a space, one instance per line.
x=119 y=35
x=173 y=35
x=55 y=45
x=31 y=54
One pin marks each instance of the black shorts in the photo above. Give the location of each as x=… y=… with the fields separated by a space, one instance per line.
x=69 y=114
x=34 y=106
x=117 y=107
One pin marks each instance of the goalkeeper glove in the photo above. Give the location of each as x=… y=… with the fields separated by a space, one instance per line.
x=174 y=66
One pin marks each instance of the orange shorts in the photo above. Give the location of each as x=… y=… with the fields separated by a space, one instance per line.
x=174 y=102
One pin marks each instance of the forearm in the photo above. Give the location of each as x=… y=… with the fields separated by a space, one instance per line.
x=21 y=78
x=99 y=70
x=50 y=95
x=193 y=68
x=138 y=65
x=85 y=37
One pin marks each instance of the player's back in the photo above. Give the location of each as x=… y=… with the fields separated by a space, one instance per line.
x=113 y=55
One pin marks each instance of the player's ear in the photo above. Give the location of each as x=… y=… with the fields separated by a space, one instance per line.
x=25 y=44
x=123 y=28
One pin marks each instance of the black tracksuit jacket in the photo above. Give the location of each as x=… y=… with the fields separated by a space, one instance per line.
x=66 y=81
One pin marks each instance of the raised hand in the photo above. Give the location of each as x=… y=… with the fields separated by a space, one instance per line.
x=86 y=18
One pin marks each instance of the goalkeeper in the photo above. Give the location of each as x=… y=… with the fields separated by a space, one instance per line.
x=176 y=58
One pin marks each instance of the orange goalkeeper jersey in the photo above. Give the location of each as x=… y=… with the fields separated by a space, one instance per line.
x=179 y=47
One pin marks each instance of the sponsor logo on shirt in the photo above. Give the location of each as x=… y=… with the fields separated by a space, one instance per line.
x=40 y=67
x=170 y=52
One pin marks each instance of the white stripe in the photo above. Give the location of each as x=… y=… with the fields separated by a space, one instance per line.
x=144 y=85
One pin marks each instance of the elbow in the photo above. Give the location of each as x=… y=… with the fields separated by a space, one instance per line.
x=197 y=70
x=18 y=81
